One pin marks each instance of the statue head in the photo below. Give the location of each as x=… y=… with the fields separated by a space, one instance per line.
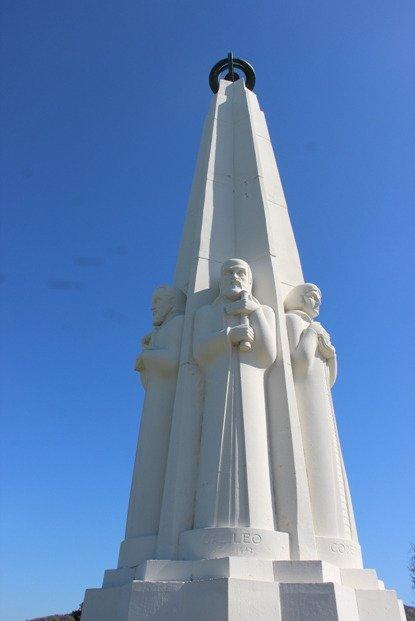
x=235 y=277
x=306 y=298
x=167 y=302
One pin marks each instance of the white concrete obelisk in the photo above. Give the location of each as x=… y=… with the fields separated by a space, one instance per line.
x=239 y=507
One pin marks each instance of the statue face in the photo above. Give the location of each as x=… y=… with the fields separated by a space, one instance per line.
x=312 y=301
x=235 y=278
x=161 y=305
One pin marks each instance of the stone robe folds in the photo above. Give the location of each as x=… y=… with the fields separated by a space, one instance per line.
x=159 y=376
x=234 y=427
x=313 y=377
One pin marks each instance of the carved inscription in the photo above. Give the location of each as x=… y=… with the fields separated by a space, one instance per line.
x=232 y=539
x=343 y=548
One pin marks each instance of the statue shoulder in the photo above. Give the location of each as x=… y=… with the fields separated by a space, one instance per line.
x=171 y=327
x=268 y=312
x=293 y=319
x=295 y=324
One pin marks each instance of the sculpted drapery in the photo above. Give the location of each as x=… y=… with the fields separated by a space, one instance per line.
x=158 y=367
x=314 y=366
x=234 y=343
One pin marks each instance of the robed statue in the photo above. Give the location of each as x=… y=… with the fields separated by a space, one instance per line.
x=234 y=343
x=314 y=366
x=158 y=364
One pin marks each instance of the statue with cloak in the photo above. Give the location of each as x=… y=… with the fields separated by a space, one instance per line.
x=158 y=365
x=234 y=343
x=314 y=366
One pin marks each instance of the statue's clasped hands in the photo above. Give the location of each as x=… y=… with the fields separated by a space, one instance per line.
x=325 y=346
x=241 y=334
x=245 y=306
x=146 y=344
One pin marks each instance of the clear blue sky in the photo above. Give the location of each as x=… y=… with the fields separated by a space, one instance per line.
x=103 y=104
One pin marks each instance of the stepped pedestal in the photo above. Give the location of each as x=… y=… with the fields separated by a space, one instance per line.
x=242 y=589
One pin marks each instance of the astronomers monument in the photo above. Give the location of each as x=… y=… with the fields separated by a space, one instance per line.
x=239 y=507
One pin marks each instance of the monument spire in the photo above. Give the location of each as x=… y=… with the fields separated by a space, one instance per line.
x=237 y=208
x=239 y=505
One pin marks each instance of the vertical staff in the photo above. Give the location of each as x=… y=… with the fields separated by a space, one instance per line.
x=245 y=345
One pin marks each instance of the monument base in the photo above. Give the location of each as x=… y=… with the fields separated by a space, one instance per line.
x=241 y=589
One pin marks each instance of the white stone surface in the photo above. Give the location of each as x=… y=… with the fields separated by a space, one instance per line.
x=102 y=604
x=232 y=213
x=232 y=599
x=379 y=606
x=360 y=578
x=342 y=552
x=306 y=571
x=314 y=366
x=227 y=567
x=134 y=550
x=118 y=577
x=234 y=485
x=240 y=507
x=158 y=365
x=219 y=542
x=318 y=602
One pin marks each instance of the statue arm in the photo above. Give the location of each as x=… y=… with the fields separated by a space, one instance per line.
x=332 y=365
x=265 y=343
x=303 y=342
x=162 y=361
x=207 y=344
x=326 y=350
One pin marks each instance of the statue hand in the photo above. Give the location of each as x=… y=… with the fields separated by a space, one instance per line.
x=139 y=364
x=244 y=306
x=146 y=340
x=325 y=346
x=237 y=334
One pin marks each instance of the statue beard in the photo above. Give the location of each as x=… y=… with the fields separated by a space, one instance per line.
x=233 y=292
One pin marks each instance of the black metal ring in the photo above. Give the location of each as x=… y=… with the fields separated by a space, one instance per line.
x=223 y=64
